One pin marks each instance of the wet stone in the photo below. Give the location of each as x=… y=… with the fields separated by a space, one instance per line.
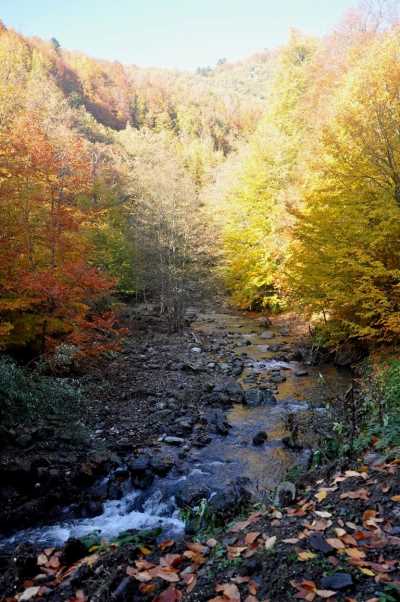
x=260 y=438
x=319 y=544
x=337 y=581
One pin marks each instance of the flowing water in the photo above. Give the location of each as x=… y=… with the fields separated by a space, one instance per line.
x=262 y=350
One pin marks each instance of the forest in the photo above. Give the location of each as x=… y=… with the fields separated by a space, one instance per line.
x=135 y=203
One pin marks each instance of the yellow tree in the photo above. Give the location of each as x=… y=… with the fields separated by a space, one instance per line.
x=345 y=261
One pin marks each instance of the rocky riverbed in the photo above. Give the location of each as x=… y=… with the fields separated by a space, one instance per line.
x=219 y=413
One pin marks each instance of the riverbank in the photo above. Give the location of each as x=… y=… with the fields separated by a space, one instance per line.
x=175 y=420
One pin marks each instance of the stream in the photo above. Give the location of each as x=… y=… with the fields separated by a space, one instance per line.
x=266 y=355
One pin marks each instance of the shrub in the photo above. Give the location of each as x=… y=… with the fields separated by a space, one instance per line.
x=29 y=395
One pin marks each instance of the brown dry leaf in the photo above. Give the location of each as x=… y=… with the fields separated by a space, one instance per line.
x=171 y=560
x=142 y=576
x=230 y=591
x=325 y=593
x=349 y=540
x=164 y=545
x=143 y=564
x=190 y=579
x=165 y=573
x=54 y=563
x=251 y=537
x=253 y=587
x=395 y=498
x=244 y=524
x=169 y=595
x=197 y=547
x=355 y=553
x=194 y=557
x=147 y=588
x=306 y=555
x=359 y=494
x=336 y=543
x=250 y=599
x=235 y=551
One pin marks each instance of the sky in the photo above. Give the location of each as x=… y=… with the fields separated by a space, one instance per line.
x=183 y=34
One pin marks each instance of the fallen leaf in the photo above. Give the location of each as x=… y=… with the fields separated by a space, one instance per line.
x=270 y=542
x=335 y=543
x=307 y=555
x=321 y=495
x=325 y=593
x=165 y=573
x=169 y=595
x=323 y=513
x=230 y=591
x=395 y=498
x=360 y=494
x=355 y=553
x=367 y=571
x=251 y=537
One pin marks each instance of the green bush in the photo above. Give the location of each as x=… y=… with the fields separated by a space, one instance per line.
x=29 y=395
x=381 y=391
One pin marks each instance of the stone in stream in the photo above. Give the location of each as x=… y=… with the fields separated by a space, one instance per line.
x=256 y=397
x=260 y=438
x=140 y=471
x=162 y=465
x=171 y=440
x=268 y=334
x=226 y=502
x=219 y=423
x=277 y=378
x=301 y=372
x=228 y=391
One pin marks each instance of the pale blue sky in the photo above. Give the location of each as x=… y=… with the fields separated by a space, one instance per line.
x=170 y=33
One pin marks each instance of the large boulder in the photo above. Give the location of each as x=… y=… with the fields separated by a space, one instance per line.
x=226 y=502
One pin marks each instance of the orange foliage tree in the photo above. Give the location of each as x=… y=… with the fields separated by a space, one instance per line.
x=47 y=287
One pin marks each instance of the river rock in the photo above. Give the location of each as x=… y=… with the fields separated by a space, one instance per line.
x=188 y=493
x=228 y=391
x=301 y=372
x=268 y=334
x=162 y=465
x=285 y=494
x=171 y=440
x=226 y=502
x=73 y=550
x=337 y=581
x=319 y=544
x=255 y=397
x=277 y=377
x=25 y=559
x=218 y=422
x=260 y=438
x=140 y=471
